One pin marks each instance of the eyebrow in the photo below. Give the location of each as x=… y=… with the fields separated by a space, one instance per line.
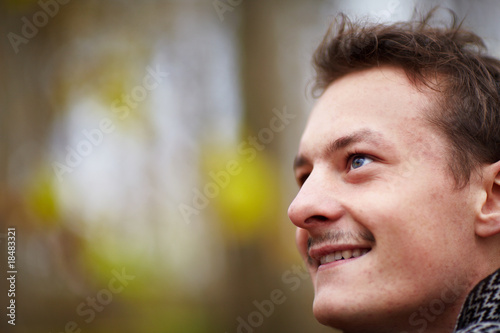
x=345 y=141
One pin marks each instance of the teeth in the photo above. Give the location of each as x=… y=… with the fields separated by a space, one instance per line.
x=345 y=254
x=328 y=258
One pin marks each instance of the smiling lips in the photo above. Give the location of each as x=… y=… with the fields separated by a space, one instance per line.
x=341 y=255
x=323 y=255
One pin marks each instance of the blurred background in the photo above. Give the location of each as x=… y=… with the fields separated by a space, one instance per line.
x=146 y=151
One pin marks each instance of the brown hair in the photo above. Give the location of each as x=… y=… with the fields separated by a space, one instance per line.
x=468 y=109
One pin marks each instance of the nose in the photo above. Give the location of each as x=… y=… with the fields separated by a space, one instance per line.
x=317 y=202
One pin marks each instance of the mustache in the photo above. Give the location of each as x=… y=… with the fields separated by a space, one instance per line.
x=339 y=236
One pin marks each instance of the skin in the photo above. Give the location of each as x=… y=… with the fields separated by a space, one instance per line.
x=373 y=174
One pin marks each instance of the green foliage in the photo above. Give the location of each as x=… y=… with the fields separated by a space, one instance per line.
x=41 y=198
x=250 y=199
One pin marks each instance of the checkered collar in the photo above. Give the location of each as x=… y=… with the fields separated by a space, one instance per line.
x=481 y=310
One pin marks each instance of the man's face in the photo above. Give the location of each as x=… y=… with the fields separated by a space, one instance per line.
x=376 y=188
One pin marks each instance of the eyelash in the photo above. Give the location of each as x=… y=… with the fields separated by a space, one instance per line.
x=349 y=156
x=353 y=154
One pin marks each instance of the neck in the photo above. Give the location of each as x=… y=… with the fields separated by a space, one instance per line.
x=435 y=317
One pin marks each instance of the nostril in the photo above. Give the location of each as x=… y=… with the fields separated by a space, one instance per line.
x=316 y=218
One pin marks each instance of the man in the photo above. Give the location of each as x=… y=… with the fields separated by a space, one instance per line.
x=398 y=212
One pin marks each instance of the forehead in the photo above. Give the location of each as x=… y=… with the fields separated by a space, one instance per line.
x=380 y=100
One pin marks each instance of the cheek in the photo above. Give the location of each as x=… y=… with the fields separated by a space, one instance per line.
x=417 y=226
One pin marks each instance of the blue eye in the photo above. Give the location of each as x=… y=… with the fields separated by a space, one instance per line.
x=358 y=161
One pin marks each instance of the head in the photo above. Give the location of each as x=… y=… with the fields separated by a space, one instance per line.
x=399 y=175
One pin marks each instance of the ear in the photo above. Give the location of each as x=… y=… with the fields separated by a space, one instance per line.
x=488 y=223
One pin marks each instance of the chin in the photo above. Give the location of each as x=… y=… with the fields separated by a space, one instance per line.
x=350 y=317
x=333 y=312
